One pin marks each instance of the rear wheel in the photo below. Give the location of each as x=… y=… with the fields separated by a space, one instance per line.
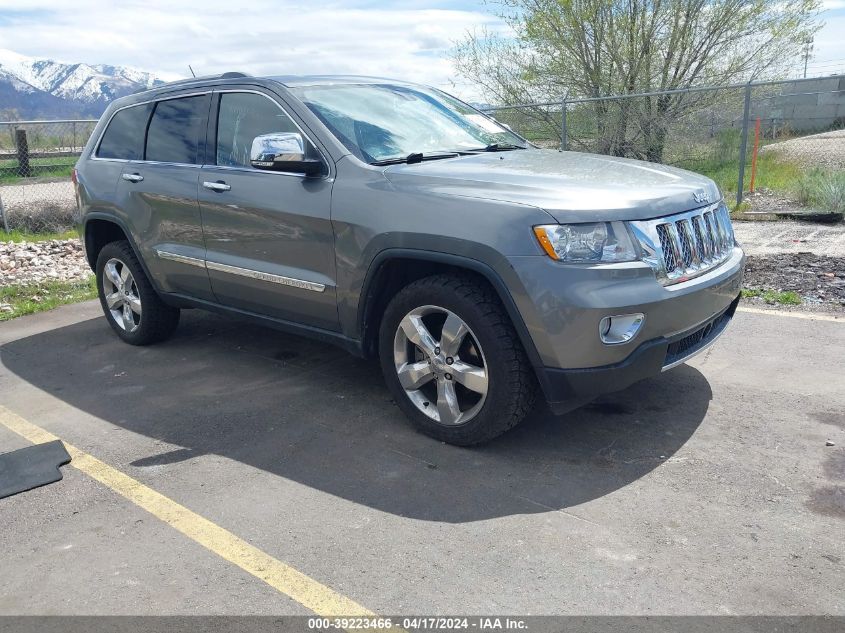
x=453 y=361
x=131 y=305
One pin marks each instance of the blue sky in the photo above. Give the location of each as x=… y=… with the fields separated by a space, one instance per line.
x=393 y=38
x=829 y=45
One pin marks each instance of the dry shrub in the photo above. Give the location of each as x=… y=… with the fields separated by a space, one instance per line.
x=48 y=218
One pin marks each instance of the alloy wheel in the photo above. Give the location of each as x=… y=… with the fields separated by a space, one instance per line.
x=440 y=365
x=121 y=295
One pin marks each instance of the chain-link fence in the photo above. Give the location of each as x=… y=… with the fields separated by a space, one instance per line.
x=725 y=132
x=713 y=130
x=36 y=160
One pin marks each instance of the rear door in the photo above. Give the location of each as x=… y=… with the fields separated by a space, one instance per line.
x=159 y=194
x=122 y=140
x=269 y=238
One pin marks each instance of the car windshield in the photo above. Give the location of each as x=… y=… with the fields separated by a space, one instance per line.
x=379 y=122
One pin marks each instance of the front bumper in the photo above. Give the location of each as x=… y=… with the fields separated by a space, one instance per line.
x=565 y=305
x=566 y=389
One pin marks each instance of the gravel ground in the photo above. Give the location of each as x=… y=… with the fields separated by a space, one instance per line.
x=818 y=150
x=769 y=238
x=767 y=201
x=33 y=197
x=33 y=262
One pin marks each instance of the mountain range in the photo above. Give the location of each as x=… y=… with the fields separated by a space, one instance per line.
x=33 y=88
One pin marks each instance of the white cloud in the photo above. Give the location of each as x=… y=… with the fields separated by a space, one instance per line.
x=393 y=39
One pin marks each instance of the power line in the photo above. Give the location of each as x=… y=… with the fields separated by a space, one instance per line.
x=822 y=61
x=839 y=63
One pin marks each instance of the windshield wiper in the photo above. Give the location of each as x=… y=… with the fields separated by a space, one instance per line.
x=415 y=157
x=499 y=147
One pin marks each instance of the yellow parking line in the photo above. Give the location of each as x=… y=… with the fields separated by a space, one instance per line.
x=810 y=316
x=306 y=591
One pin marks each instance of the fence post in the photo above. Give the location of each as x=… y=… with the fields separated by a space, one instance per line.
x=3 y=216
x=24 y=168
x=743 y=146
x=563 y=133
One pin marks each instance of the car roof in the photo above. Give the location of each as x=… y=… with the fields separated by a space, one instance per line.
x=213 y=81
x=292 y=81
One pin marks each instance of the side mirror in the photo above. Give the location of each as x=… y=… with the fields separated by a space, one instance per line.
x=283 y=151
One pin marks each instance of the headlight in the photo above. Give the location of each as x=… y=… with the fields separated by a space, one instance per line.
x=594 y=242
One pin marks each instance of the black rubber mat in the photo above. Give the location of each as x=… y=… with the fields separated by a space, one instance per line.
x=31 y=467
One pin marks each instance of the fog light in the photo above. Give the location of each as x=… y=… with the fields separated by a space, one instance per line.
x=620 y=329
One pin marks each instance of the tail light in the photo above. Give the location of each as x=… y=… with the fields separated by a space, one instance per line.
x=74 y=177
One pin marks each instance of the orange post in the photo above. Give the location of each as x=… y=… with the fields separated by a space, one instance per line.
x=754 y=154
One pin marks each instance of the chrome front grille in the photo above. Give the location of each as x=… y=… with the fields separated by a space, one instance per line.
x=680 y=247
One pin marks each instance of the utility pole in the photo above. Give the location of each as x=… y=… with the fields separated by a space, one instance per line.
x=806 y=53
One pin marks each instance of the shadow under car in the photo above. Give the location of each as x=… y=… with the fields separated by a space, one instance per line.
x=311 y=413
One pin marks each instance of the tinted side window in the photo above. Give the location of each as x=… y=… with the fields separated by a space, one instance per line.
x=177 y=130
x=124 y=137
x=243 y=116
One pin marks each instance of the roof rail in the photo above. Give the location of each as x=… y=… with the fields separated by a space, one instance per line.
x=189 y=80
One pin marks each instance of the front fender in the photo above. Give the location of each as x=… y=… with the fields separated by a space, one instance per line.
x=499 y=274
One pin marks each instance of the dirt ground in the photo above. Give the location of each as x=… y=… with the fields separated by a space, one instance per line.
x=818 y=279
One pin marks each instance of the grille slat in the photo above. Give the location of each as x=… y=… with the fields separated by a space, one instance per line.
x=692 y=243
x=719 y=234
x=667 y=248
x=711 y=234
x=701 y=244
x=689 y=251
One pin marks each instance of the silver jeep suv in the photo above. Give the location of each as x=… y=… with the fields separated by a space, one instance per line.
x=396 y=221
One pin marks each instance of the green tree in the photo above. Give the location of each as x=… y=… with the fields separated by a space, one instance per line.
x=593 y=48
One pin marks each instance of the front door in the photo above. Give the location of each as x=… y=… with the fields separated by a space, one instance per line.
x=268 y=235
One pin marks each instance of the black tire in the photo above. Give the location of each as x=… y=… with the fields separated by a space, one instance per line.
x=157 y=320
x=512 y=385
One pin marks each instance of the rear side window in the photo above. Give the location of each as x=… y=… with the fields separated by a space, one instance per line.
x=124 y=137
x=177 y=130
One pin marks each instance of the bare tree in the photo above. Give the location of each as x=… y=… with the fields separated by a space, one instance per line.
x=610 y=47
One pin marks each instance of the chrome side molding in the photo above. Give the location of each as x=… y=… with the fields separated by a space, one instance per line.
x=243 y=272
x=182 y=259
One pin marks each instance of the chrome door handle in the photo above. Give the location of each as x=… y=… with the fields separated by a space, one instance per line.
x=132 y=177
x=216 y=186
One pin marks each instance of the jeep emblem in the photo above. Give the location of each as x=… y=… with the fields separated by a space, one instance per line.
x=701 y=196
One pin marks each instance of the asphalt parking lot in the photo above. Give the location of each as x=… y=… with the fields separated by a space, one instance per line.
x=707 y=490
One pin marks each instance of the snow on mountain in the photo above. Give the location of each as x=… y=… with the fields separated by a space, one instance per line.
x=86 y=88
x=15 y=83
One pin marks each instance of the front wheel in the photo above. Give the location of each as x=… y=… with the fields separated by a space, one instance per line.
x=453 y=361
x=133 y=308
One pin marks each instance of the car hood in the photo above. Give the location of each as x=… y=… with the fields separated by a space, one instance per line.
x=570 y=186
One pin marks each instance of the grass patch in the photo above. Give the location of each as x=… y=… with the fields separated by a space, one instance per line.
x=822 y=189
x=786 y=298
x=17 y=235
x=43 y=167
x=720 y=162
x=772 y=173
x=32 y=298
